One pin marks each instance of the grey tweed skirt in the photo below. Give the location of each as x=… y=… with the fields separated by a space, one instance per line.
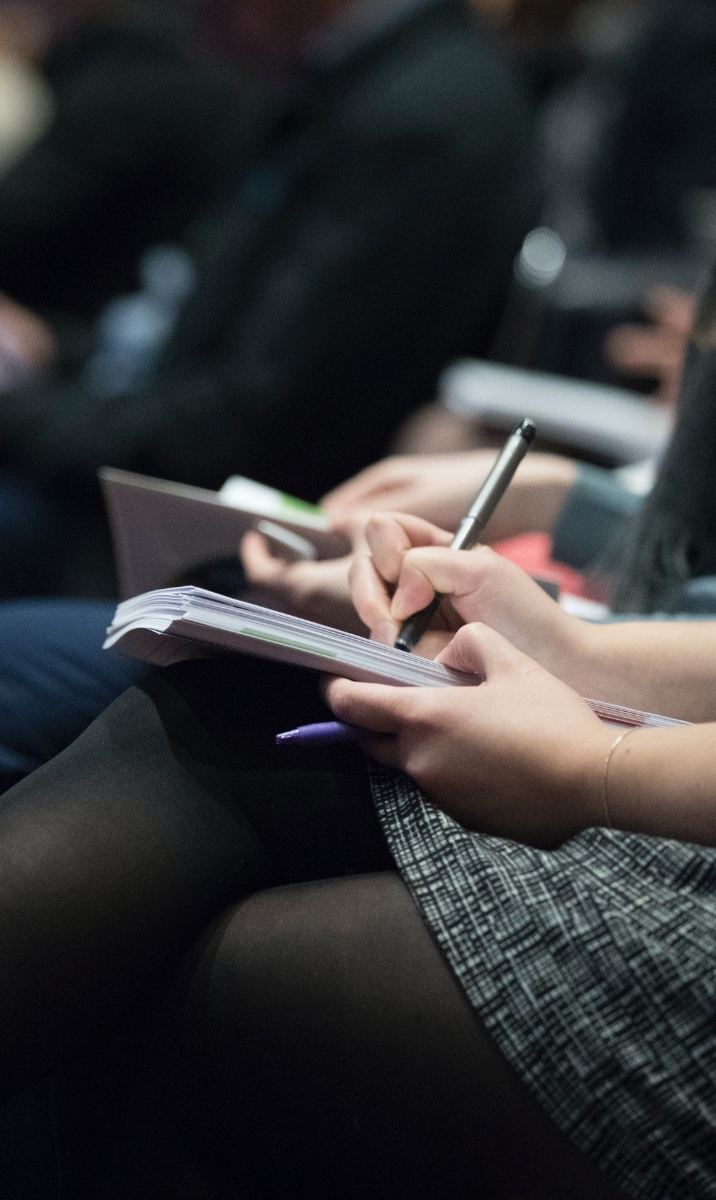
x=594 y=969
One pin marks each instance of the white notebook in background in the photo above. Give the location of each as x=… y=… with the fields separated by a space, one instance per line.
x=172 y=624
x=619 y=425
x=162 y=530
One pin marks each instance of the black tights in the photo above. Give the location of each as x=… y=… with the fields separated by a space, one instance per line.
x=318 y=1041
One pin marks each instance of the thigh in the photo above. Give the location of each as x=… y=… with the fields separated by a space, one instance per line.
x=171 y=805
x=55 y=678
x=329 y=1052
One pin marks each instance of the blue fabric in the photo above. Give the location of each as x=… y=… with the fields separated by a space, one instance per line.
x=32 y=532
x=54 y=676
x=594 y=512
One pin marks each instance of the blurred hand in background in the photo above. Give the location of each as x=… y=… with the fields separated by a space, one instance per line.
x=656 y=350
x=27 y=344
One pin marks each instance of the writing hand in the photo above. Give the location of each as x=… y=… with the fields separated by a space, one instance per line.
x=408 y=560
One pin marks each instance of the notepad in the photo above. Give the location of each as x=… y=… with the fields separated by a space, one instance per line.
x=172 y=624
x=163 y=531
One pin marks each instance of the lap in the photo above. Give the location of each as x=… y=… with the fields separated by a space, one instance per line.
x=172 y=804
x=330 y=995
x=326 y=1043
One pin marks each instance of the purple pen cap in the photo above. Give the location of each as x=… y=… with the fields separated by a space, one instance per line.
x=324 y=733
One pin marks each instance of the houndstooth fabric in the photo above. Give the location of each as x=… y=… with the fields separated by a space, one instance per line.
x=594 y=969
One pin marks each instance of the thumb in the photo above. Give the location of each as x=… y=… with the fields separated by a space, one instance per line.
x=259 y=563
x=478 y=650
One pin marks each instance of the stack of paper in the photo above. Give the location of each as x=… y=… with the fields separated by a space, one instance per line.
x=173 y=624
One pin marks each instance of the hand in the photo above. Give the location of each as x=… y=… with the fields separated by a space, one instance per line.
x=441 y=488
x=316 y=590
x=519 y=756
x=27 y=344
x=656 y=350
x=407 y=560
x=434 y=429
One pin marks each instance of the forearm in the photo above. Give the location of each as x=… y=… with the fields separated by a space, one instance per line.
x=663 y=782
x=535 y=498
x=661 y=666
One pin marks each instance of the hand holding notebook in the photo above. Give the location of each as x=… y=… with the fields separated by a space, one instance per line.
x=405 y=569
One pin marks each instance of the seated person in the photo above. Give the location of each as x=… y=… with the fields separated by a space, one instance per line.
x=143 y=116
x=651 y=352
x=54 y=677
x=503 y=983
x=366 y=239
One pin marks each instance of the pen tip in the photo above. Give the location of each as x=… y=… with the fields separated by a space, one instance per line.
x=528 y=430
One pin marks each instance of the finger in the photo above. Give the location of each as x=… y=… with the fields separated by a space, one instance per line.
x=261 y=566
x=459 y=574
x=390 y=535
x=427 y=571
x=373 y=706
x=478 y=650
x=381 y=476
x=671 y=308
x=353 y=527
x=371 y=599
x=635 y=349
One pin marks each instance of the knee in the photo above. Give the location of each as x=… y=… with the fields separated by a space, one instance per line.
x=295 y=972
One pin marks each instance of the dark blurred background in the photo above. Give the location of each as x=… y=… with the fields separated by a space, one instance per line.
x=248 y=235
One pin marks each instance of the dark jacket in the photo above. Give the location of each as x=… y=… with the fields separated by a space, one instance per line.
x=663 y=147
x=370 y=241
x=136 y=147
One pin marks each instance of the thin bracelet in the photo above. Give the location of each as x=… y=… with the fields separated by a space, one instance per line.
x=605 y=773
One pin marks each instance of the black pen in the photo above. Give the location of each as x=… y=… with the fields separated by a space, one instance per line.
x=486 y=501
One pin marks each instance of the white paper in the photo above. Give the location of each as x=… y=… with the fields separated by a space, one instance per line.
x=153 y=627
x=623 y=426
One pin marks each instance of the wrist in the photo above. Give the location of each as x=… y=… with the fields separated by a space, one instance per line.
x=580 y=658
x=589 y=782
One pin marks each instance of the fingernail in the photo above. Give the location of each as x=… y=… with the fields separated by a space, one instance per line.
x=385 y=631
x=398 y=610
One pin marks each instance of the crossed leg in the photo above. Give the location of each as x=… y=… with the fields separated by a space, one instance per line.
x=323 y=1042
x=329 y=1052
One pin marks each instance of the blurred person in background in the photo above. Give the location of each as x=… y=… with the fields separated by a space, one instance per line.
x=627 y=139
x=367 y=240
x=55 y=678
x=128 y=143
x=143 y=116
x=25 y=98
x=627 y=160
x=627 y=155
x=629 y=170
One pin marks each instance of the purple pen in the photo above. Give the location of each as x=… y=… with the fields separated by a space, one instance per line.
x=325 y=733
